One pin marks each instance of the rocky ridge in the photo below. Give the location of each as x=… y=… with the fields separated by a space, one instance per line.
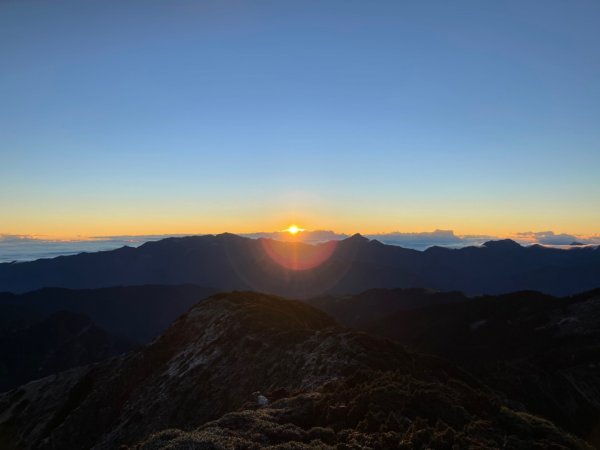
x=328 y=386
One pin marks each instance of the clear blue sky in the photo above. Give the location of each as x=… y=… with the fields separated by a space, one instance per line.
x=171 y=116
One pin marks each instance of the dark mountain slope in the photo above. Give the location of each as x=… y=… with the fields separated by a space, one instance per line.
x=138 y=313
x=225 y=261
x=538 y=350
x=327 y=385
x=353 y=265
x=362 y=309
x=62 y=341
x=15 y=317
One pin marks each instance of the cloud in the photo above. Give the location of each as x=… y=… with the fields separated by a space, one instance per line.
x=552 y=238
x=423 y=240
x=21 y=247
x=19 y=238
x=446 y=236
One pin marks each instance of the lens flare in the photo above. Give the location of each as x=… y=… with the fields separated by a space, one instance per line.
x=296 y=255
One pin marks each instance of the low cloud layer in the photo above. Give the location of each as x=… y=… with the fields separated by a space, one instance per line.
x=15 y=247
x=16 y=238
x=551 y=238
x=423 y=240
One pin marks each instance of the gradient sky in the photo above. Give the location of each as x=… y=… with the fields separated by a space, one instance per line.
x=142 y=117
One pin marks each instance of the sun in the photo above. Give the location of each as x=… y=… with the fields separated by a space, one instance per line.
x=294 y=229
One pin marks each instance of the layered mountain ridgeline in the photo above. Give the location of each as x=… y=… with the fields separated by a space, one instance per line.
x=59 y=342
x=328 y=387
x=137 y=313
x=539 y=351
x=353 y=265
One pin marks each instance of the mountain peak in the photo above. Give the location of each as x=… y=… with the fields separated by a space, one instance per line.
x=230 y=236
x=258 y=311
x=502 y=244
x=357 y=237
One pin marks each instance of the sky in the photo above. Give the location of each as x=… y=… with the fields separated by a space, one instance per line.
x=175 y=117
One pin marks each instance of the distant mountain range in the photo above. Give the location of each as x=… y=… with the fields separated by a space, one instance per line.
x=246 y=370
x=19 y=248
x=352 y=265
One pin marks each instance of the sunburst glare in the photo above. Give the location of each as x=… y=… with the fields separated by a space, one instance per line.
x=294 y=229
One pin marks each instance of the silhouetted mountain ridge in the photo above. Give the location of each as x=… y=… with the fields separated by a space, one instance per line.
x=228 y=261
x=503 y=244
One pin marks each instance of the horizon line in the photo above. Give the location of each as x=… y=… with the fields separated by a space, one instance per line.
x=522 y=236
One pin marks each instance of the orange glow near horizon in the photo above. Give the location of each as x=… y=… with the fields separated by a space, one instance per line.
x=287 y=223
x=292 y=232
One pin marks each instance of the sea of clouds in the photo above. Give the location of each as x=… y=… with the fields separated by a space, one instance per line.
x=29 y=248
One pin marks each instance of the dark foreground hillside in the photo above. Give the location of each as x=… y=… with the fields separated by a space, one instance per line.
x=137 y=313
x=195 y=387
x=541 y=352
x=59 y=342
x=361 y=310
